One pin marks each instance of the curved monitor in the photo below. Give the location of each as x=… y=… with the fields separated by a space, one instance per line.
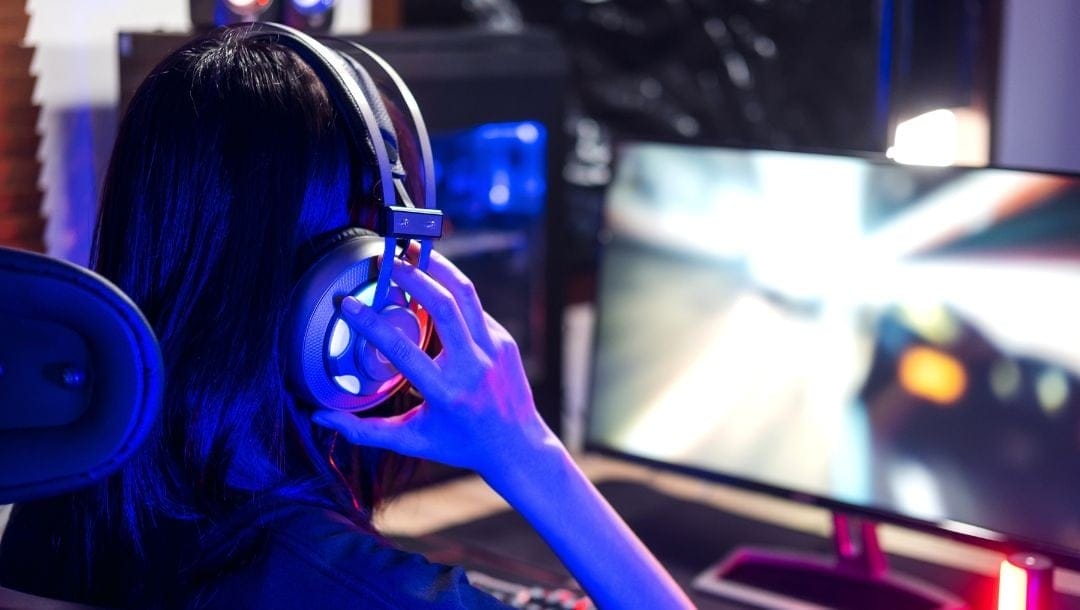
x=894 y=341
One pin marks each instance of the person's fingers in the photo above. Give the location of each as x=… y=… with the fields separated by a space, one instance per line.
x=444 y=310
x=464 y=292
x=393 y=433
x=407 y=356
x=461 y=288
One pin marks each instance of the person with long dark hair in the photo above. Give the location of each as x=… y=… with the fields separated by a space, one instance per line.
x=230 y=162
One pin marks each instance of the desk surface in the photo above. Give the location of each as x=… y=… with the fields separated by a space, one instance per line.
x=711 y=520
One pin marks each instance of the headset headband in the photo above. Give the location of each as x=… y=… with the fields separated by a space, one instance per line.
x=358 y=101
x=370 y=62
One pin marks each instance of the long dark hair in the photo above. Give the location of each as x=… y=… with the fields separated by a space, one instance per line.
x=229 y=160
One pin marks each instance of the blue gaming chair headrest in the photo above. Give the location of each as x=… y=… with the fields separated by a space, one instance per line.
x=81 y=377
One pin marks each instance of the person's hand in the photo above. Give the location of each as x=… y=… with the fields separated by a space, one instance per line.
x=478 y=411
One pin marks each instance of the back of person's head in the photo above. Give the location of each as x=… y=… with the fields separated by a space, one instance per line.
x=229 y=160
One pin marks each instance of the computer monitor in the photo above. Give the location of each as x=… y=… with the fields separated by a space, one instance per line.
x=893 y=342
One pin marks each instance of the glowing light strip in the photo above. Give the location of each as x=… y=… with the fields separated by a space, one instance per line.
x=1012 y=588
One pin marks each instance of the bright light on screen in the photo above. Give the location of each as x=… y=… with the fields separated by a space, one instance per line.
x=889 y=336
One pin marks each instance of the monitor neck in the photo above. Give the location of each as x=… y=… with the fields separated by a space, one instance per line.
x=856 y=544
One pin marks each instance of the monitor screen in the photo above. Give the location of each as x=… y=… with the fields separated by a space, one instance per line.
x=898 y=340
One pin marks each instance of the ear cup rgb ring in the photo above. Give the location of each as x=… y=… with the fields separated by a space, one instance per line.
x=336 y=368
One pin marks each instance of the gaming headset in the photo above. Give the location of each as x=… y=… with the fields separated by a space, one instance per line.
x=328 y=364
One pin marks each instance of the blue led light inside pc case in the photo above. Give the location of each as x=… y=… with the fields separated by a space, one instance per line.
x=491 y=182
x=490 y=171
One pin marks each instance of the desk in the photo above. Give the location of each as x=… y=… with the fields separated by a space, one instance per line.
x=689 y=523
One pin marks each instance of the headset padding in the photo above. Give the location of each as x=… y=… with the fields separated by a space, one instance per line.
x=382 y=115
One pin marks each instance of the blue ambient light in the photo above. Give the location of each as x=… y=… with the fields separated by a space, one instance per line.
x=491 y=169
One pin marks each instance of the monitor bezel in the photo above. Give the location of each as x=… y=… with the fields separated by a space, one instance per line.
x=978 y=535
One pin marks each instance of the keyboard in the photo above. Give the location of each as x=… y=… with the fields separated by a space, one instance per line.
x=517 y=595
x=514 y=582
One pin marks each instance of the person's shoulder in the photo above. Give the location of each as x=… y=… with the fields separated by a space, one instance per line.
x=313 y=555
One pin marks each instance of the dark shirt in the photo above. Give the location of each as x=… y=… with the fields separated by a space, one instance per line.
x=298 y=556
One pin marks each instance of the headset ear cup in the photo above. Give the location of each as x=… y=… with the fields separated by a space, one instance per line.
x=329 y=364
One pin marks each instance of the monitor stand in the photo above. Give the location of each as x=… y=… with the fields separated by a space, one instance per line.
x=855 y=579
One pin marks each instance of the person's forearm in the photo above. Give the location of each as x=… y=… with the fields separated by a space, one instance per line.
x=594 y=543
